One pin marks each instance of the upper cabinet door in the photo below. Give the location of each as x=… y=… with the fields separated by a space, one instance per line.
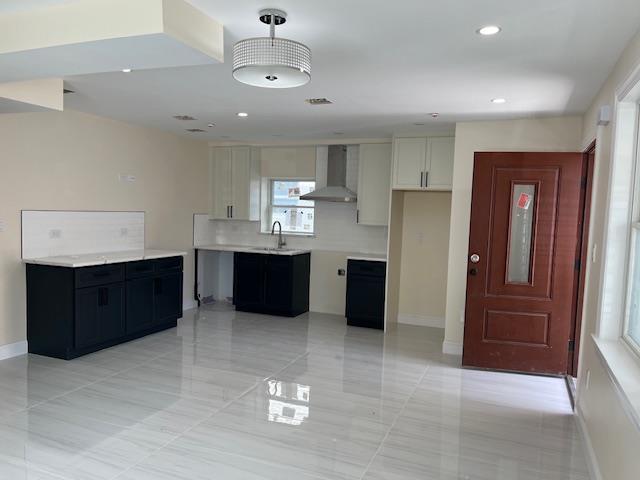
x=245 y=180
x=440 y=157
x=374 y=184
x=409 y=163
x=220 y=183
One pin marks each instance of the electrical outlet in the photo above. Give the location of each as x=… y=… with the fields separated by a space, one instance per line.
x=341 y=272
x=55 y=233
x=124 y=232
x=2 y=226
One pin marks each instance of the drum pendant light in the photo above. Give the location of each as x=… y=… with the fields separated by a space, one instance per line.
x=272 y=62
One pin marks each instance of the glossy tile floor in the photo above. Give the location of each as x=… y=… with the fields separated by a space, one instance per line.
x=229 y=395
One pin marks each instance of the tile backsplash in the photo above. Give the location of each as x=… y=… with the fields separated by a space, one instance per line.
x=335 y=230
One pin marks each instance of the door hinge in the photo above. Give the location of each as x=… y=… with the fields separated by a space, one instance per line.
x=583 y=182
x=572 y=345
x=578 y=264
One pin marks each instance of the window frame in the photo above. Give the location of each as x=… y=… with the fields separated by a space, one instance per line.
x=271 y=204
x=633 y=228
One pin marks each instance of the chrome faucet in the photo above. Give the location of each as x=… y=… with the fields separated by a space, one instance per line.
x=281 y=241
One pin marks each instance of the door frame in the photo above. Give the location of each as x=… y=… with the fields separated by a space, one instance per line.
x=582 y=256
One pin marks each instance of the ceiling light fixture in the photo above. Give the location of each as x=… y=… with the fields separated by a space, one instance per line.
x=271 y=62
x=242 y=114
x=499 y=100
x=211 y=125
x=126 y=70
x=489 y=30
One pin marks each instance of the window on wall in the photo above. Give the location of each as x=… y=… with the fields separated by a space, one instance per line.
x=285 y=206
x=632 y=324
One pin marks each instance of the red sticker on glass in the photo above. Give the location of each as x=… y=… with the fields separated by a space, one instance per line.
x=524 y=201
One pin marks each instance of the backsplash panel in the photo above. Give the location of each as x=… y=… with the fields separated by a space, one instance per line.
x=52 y=233
x=335 y=230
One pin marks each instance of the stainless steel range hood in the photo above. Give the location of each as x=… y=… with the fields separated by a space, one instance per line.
x=336 y=189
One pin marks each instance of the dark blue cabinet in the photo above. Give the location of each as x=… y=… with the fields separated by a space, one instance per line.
x=75 y=311
x=365 y=293
x=272 y=284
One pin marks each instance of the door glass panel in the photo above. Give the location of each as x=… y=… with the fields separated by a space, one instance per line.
x=521 y=233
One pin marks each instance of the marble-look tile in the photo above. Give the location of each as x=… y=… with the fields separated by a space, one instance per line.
x=230 y=395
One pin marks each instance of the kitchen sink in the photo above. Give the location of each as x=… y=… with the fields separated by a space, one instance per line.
x=272 y=249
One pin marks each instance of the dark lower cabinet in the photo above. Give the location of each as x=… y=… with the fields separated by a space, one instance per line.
x=102 y=309
x=272 y=284
x=365 y=293
x=75 y=311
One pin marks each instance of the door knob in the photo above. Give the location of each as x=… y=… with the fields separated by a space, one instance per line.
x=475 y=258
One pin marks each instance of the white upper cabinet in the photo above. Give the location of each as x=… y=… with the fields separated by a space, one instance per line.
x=409 y=155
x=421 y=163
x=235 y=183
x=440 y=153
x=374 y=184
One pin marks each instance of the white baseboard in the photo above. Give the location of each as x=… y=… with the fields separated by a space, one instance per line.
x=188 y=304
x=451 y=348
x=421 y=320
x=592 y=461
x=13 y=350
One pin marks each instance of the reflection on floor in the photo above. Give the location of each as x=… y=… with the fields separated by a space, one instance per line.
x=230 y=395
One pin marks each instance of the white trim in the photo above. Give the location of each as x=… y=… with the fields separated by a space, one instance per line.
x=188 y=304
x=592 y=460
x=451 y=348
x=13 y=350
x=623 y=369
x=421 y=320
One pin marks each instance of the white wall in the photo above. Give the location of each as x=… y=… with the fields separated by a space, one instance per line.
x=540 y=134
x=613 y=436
x=71 y=161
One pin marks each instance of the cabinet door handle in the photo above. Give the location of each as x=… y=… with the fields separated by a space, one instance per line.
x=426 y=179
x=157 y=286
x=103 y=297
x=228 y=216
x=421 y=178
x=231 y=210
x=357 y=216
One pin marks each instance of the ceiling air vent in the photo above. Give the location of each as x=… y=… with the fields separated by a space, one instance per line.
x=66 y=90
x=318 y=101
x=195 y=130
x=184 y=118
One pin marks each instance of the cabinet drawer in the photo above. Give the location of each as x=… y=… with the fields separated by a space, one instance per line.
x=171 y=264
x=366 y=268
x=100 y=275
x=143 y=268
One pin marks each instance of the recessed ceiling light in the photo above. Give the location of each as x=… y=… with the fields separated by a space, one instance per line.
x=318 y=101
x=211 y=125
x=499 y=100
x=435 y=115
x=184 y=118
x=489 y=30
x=242 y=114
x=126 y=70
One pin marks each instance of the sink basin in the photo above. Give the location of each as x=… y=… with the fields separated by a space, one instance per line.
x=272 y=249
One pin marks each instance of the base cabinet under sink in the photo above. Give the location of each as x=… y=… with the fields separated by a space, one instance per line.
x=271 y=284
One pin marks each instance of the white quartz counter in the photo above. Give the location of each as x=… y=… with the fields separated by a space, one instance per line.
x=93 y=259
x=218 y=247
x=368 y=257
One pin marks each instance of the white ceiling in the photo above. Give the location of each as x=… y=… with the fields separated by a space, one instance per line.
x=385 y=65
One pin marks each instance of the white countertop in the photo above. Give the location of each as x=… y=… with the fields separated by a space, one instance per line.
x=368 y=257
x=219 y=247
x=93 y=259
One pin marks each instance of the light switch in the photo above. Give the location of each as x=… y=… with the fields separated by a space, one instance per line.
x=55 y=233
x=124 y=232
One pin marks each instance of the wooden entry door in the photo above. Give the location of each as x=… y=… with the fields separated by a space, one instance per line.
x=522 y=261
